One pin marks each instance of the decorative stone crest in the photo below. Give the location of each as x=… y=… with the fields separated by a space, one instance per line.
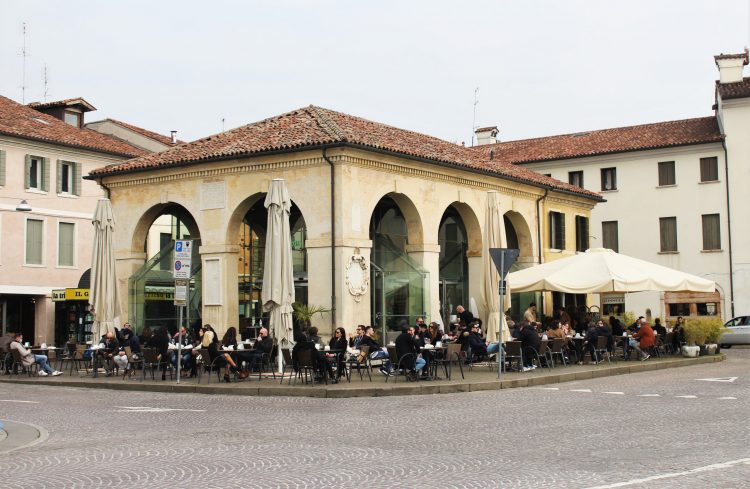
x=357 y=276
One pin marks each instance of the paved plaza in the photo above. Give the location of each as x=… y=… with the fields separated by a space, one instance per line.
x=665 y=428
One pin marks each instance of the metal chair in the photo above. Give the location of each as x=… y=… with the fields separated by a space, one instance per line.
x=266 y=362
x=600 y=350
x=154 y=360
x=18 y=366
x=306 y=365
x=134 y=362
x=288 y=364
x=361 y=361
x=557 y=349
x=513 y=353
x=407 y=362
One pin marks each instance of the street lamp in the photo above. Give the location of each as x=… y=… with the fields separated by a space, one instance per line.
x=23 y=206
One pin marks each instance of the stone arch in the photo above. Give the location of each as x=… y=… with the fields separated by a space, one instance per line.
x=473 y=228
x=414 y=226
x=518 y=234
x=140 y=232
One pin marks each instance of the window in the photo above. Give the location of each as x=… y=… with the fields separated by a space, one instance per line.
x=609 y=178
x=547 y=175
x=679 y=309
x=34 y=240
x=711 y=232
x=610 y=239
x=710 y=169
x=575 y=178
x=165 y=241
x=557 y=230
x=66 y=241
x=666 y=173
x=582 y=233
x=36 y=175
x=2 y=168
x=68 y=177
x=72 y=118
x=668 y=234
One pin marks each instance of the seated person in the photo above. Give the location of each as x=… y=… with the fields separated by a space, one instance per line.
x=407 y=350
x=222 y=359
x=476 y=343
x=312 y=335
x=356 y=339
x=127 y=339
x=376 y=352
x=159 y=341
x=658 y=327
x=186 y=362
x=530 y=344
x=28 y=359
x=111 y=349
x=338 y=342
x=263 y=346
x=644 y=338
x=555 y=331
x=616 y=326
x=434 y=333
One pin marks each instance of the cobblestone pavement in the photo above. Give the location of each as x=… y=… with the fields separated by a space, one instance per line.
x=662 y=428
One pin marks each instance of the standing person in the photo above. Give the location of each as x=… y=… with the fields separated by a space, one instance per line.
x=464 y=316
x=643 y=339
x=28 y=359
x=530 y=313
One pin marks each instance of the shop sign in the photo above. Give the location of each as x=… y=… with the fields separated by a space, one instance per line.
x=613 y=299
x=158 y=295
x=58 y=295
x=76 y=294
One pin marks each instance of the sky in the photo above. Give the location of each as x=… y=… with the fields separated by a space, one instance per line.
x=541 y=67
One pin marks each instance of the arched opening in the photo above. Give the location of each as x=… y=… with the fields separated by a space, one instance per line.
x=251 y=260
x=151 y=287
x=454 y=263
x=398 y=283
x=518 y=236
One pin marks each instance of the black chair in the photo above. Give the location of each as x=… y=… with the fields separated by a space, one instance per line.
x=407 y=363
x=267 y=362
x=306 y=362
x=155 y=361
x=600 y=350
x=288 y=364
x=360 y=362
x=558 y=350
x=513 y=353
x=18 y=366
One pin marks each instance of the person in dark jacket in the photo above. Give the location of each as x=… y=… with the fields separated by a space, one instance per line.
x=263 y=346
x=356 y=339
x=530 y=344
x=616 y=326
x=477 y=344
x=128 y=339
x=376 y=352
x=464 y=316
x=159 y=341
x=407 y=350
x=659 y=328
x=187 y=356
x=111 y=348
x=338 y=342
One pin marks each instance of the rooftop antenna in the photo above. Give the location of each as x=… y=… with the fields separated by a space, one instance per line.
x=45 y=79
x=24 y=54
x=474 y=120
x=222 y=124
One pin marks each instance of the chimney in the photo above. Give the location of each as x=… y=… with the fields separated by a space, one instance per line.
x=174 y=137
x=486 y=135
x=730 y=66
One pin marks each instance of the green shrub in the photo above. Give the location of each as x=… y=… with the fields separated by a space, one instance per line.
x=702 y=330
x=628 y=318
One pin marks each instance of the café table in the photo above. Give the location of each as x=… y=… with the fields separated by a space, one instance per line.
x=433 y=352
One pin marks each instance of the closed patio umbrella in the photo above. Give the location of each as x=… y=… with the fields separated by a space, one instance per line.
x=278 y=273
x=494 y=237
x=103 y=295
x=602 y=270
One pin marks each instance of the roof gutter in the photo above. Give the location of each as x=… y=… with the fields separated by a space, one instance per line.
x=333 y=239
x=729 y=228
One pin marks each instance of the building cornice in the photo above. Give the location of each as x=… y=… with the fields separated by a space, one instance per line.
x=70 y=152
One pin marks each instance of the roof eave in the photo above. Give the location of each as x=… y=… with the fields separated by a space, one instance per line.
x=69 y=145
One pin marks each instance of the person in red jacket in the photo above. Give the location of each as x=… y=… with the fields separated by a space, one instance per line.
x=644 y=339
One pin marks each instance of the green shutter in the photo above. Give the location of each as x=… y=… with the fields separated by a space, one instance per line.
x=45 y=174
x=76 y=179
x=27 y=172
x=59 y=176
x=2 y=168
x=562 y=230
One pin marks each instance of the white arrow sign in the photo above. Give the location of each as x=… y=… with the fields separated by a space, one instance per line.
x=720 y=379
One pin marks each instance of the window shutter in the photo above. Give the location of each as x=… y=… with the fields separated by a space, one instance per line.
x=711 y=232
x=668 y=233
x=551 y=219
x=585 y=222
x=2 y=168
x=77 y=179
x=27 y=172
x=59 y=176
x=561 y=221
x=45 y=174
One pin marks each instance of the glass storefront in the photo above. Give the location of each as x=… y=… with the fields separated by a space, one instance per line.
x=400 y=286
x=252 y=240
x=454 y=264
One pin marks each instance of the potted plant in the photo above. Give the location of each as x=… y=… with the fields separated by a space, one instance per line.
x=304 y=314
x=701 y=334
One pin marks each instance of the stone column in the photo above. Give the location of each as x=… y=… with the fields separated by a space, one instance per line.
x=476 y=277
x=219 y=295
x=126 y=264
x=428 y=257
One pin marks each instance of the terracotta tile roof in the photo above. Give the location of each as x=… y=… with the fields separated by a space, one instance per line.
x=63 y=103
x=25 y=122
x=313 y=127
x=143 y=132
x=488 y=128
x=728 y=91
x=606 y=141
x=742 y=56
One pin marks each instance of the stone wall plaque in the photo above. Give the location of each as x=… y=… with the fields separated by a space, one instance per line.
x=212 y=282
x=213 y=194
x=357 y=276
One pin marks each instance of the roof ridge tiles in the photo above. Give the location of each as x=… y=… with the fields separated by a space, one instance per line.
x=326 y=123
